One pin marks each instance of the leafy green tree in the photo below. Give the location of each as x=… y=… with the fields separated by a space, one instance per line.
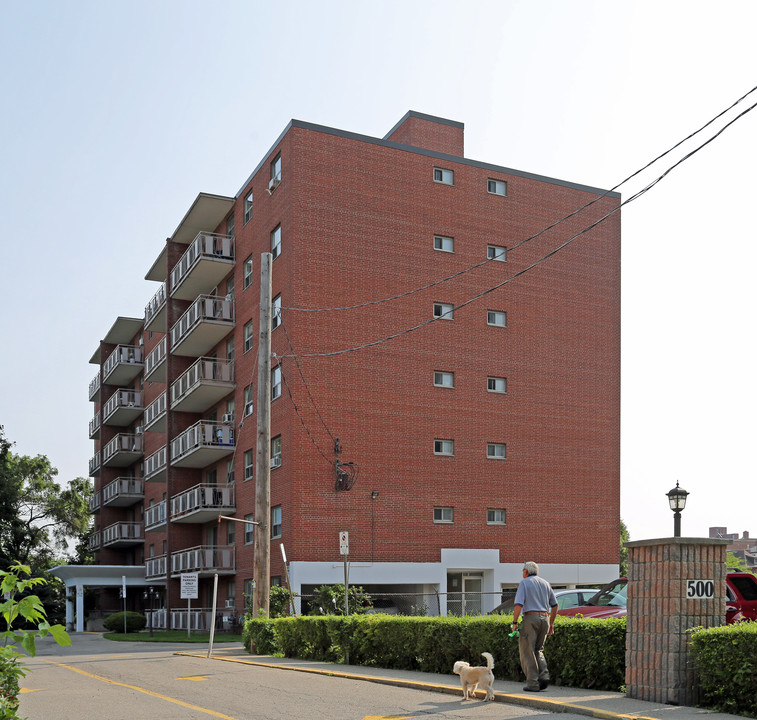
x=624 y=538
x=735 y=564
x=329 y=600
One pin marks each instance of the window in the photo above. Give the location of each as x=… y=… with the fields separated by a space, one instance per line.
x=230 y=471
x=495 y=451
x=496 y=384
x=497 y=187
x=249 y=464
x=496 y=317
x=495 y=516
x=276 y=382
x=443 y=243
x=230 y=225
x=276 y=521
x=249 y=586
x=248 y=401
x=248 y=208
x=248 y=336
x=444 y=176
x=230 y=348
x=444 y=515
x=444 y=379
x=276 y=451
x=249 y=530
x=443 y=311
x=276 y=312
x=247 y=273
x=230 y=527
x=496 y=252
x=276 y=242
x=275 y=173
x=444 y=447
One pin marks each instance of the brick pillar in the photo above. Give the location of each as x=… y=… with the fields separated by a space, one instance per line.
x=660 y=611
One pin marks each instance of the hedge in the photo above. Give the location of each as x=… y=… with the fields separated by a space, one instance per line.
x=134 y=622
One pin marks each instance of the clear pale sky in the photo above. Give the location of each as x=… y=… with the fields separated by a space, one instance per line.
x=117 y=114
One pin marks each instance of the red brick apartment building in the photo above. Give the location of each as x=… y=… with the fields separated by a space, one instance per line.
x=480 y=414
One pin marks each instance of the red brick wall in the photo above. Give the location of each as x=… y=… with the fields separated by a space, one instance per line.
x=430 y=134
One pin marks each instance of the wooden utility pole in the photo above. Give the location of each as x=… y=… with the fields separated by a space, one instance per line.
x=262 y=555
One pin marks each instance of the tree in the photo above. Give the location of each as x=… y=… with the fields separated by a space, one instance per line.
x=37 y=515
x=735 y=564
x=625 y=536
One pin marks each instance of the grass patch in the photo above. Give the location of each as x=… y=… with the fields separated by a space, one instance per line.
x=173 y=636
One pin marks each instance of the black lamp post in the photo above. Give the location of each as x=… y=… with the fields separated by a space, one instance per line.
x=149 y=595
x=677 y=499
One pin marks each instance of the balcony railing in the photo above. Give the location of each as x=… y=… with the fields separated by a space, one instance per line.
x=155 y=311
x=155 y=567
x=203 y=385
x=202 y=503
x=94 y=426
x=123 y=534
x=124 y=491
x=94 y=541
x=156 y=619
x=155 y=363
x=202 y=444
x=123 y=450
x=94 y=502
x=155 y=466
x=155 y=516
x=205 y=560
x=207 y=321
x=205 y=263
x=123 y=408
x=123 y=365
x=155 y=414
x=94 y=388
x=94 y=464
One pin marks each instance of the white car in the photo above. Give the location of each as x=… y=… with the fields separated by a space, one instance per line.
x=565 y=599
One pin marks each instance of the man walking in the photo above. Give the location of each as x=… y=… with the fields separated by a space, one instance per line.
x=536 y=601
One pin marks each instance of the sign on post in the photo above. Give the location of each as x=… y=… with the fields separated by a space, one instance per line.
x=344 y=543
x=189 y=591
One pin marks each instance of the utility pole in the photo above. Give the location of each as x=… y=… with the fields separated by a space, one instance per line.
x=262 y=554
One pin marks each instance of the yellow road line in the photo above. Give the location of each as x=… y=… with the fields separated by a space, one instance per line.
x=213 y=713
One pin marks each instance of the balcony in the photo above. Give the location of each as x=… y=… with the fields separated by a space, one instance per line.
x=205 y=560
x=123 y=408
x=155 y=568
x=155 y=363
x=205 y=383
x=155 y=466
x=123 y=534
x=94 y=427
x=208 y=260
x=94 y=541
x=123 y=491
x=155 y=311
x=123 y=450
x=202 y=444
x=207 y=321
x=155 y=414
x=155 y=516
x=123 y=365
x=202 y=504
x=94 y=388
x=94 y=502
x=94 y=465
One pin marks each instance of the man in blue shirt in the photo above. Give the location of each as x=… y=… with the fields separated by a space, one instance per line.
x=536 y=601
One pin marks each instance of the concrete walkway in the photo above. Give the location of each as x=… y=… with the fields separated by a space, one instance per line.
x=591 y=703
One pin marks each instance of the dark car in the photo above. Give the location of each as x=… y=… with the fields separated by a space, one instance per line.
x=611 y=600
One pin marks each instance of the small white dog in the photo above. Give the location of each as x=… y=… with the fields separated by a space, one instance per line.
x=471 y=677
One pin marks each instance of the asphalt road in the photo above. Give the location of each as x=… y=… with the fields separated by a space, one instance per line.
x=97 y=679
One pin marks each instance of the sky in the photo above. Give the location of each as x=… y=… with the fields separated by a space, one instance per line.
x=117 y=114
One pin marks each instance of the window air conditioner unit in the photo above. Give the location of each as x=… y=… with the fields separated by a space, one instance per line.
x=230 y=603
x=273 y=184
x=276 y=461
x=227 y=418
x=138 y=430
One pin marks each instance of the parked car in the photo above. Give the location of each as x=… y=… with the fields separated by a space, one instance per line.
x=565 y=599
x=611 y=600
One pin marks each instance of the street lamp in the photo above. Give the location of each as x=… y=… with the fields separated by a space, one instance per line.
x=150 y=594
x=677 y=499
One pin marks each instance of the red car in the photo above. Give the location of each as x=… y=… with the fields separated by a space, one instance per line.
x=610 y=601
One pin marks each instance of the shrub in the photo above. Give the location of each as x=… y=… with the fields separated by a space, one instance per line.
x=134 y=622
x=329 y=600
x=259 y=637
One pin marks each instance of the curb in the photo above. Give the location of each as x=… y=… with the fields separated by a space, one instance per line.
x=537 y=703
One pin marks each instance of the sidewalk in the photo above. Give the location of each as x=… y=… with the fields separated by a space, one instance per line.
x=591 y=703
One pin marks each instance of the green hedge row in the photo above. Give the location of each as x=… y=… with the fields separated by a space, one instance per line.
x=726 y=662
x=582 y=652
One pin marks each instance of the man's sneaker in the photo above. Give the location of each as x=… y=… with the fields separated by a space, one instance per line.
x=543 y=684
x=528 y=688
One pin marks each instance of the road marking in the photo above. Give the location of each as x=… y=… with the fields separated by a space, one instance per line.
x=27 y=690
x=387 y=717
x=196 y=678
x=213 y=713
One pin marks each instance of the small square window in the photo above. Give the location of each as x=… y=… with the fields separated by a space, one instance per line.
x=249 y=464
x=496 y=384
x=497 y=187
x=496 y=451
x=276 y=312
x=276 y=521
x=444 y=447
x=444 y=515
x=496 y=252
x=249 y=530
x=447 y=177
x=496 y=318
x=248 y=336
x=276 y=242
x=495 y=516
x=247 y=273
x=443 y=311
x=276 y=382
x=444 y=379
x=248 y=208
x=445 y=244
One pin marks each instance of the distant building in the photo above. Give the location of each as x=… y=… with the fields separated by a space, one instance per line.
x=744 y=547
x=455 y=428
